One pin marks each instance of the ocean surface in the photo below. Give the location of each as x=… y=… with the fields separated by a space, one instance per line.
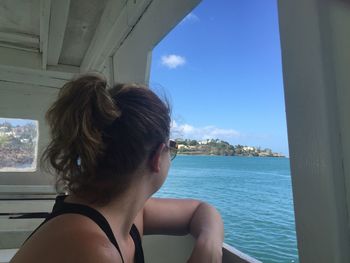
x=253 y=195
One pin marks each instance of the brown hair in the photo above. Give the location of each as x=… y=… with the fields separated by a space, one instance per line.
x=101 y=136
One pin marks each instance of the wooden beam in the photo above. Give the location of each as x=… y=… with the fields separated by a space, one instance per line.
x=24 y=40
x=26 y=206
x=26 y=190
x=57 y=28
x=135 y=9
x=18 y=225
x=45 y=8
x=113 y=27
x=35 y=77
x=19 y=58
x=65 y=69
x=29 y=49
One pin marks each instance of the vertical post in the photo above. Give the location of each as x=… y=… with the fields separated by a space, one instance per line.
x=314 y=132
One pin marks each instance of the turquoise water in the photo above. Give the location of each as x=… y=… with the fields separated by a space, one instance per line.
x=253 y=195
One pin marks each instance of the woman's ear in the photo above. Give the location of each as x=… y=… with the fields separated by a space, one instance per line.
x=156 y=158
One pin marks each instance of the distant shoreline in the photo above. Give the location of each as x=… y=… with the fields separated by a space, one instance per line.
x=210 y=155
x=216 y=147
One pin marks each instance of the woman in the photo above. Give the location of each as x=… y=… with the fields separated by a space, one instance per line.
x=110 y=150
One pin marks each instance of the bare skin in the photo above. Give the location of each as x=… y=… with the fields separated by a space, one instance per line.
x=75 y=238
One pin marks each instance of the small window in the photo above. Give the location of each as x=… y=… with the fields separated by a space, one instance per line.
x=18 y=145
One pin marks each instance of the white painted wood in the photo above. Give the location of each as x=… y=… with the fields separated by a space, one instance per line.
x=25 y=206
x=174 y=249
x=170 y=249
x=231 y=254
x=340 y=26
x=29 y=49
x=36 y=77
x=45 y=8
x=314 y=129
x=14 y=239
x=151 y=251
x=25 y=193
x=26 y=189
x=108 y=71
x=116 y=37
x=7 y=254
x=135 y=9
x=148 y=67
x=18 y=38
x=31 y=79
x=71 y=70
x=132 y=60
x=19 y=225
x=112 y=29
x=59 y=72
x=84 y=18
x=20 y=16
x=58 y=23
x=14 y=231
x=19 y=58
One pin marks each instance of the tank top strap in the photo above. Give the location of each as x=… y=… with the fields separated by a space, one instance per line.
x=62 y=207
x=135 y=235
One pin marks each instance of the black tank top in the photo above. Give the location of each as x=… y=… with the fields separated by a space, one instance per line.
x=62 y=207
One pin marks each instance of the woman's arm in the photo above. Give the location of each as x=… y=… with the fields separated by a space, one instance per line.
x=184 y=216
x=207 y=228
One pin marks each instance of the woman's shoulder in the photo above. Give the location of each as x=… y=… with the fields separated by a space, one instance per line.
x=93 y=248
x=68 y=238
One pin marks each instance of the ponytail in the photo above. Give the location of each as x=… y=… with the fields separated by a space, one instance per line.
x=77 y=118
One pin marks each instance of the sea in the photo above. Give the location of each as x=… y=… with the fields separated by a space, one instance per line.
x=253 y=195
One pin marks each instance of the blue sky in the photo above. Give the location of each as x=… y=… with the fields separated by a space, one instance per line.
x=221 y=68
x=15 y=122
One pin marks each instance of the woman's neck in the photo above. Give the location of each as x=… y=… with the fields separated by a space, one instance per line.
x=121 y=211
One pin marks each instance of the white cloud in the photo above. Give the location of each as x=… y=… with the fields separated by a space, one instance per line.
x=173 y=61
x=187 y=131
x=191 y=17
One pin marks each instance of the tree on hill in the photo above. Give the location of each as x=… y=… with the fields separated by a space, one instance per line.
x=193 y=143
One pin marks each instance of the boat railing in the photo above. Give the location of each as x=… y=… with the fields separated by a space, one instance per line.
x=17 y=221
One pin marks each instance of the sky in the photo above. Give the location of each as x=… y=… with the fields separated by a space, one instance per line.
x=15 y=122
x=221 y=69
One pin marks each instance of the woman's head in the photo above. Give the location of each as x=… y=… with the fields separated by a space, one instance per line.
x=101 y=137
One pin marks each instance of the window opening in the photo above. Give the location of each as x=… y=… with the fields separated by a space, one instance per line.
x=222 y=68
x=18 y=145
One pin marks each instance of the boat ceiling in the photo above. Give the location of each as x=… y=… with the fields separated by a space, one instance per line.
x=82 y=35
x=80 y=30
x=20 y=16
x=61 y=31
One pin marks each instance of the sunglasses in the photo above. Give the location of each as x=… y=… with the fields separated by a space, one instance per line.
x=172 y=148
